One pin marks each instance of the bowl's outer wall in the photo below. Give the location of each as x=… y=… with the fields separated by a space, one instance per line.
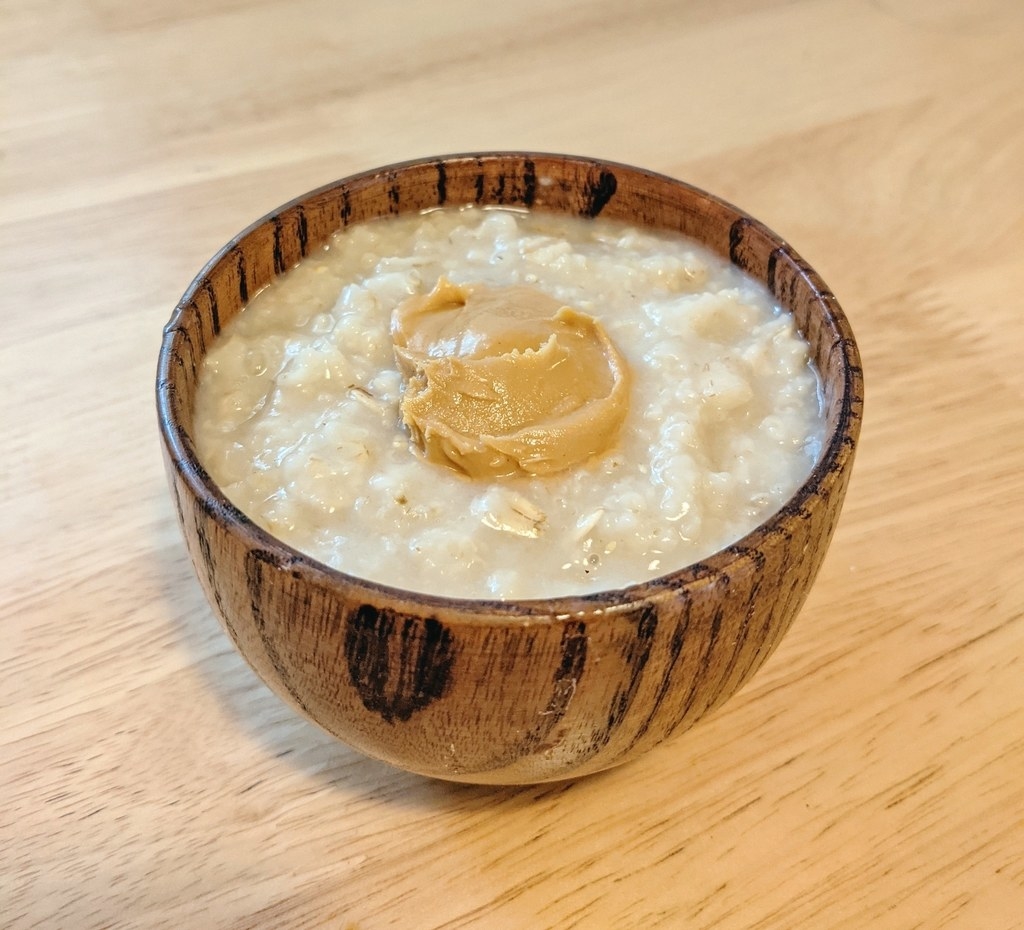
x=522 y=691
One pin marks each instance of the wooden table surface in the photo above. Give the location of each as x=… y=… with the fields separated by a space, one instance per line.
x=872 y=774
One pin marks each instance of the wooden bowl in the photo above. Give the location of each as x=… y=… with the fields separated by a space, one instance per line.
x=518 y=691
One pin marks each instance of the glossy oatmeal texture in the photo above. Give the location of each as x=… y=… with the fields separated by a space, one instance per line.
x=299 y=421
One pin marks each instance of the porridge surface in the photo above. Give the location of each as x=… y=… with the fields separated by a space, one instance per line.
x=297 y=416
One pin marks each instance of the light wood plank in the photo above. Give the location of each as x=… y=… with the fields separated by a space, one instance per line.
x=870 y=775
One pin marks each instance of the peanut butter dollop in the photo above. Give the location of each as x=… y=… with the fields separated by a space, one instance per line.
x=506 y=381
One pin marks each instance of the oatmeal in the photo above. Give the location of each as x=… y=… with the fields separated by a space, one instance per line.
x=614 y=404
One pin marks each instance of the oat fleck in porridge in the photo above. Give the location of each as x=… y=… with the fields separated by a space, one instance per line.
x=505 y=404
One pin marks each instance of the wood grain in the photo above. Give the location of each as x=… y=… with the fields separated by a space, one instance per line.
x=869 y=776
x=516 y=692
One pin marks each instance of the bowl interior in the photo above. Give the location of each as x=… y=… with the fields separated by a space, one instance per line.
x=557 y=183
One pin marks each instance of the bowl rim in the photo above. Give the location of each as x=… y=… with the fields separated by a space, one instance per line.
x=182 y=456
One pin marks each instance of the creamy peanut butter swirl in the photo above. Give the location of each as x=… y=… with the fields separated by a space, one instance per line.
x=505 y=381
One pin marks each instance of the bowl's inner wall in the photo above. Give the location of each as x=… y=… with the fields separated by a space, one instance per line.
x=554 y=183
